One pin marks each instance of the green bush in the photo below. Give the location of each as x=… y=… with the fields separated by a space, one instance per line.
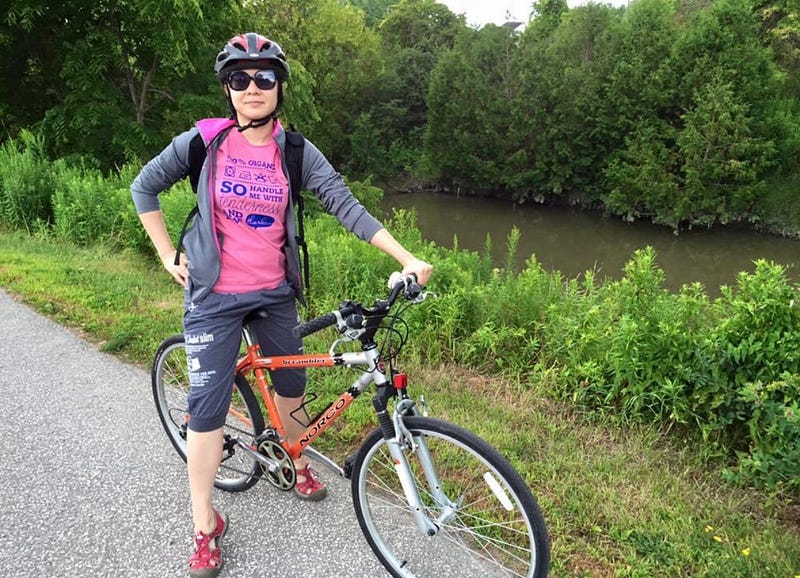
x=755 y=390
x=772 y=457
x=132 y=234
x=86 y=209
x=628 y=347
x=632 y=350
x=26 y=183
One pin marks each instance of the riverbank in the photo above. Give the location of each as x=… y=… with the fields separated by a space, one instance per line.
x=778 y=213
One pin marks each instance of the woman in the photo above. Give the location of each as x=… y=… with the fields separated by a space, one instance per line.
x=241 y=255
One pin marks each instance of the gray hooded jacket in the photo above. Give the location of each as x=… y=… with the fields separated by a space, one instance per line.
x=201 y=242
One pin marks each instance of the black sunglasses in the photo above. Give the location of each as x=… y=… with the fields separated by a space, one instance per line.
x=240 y=80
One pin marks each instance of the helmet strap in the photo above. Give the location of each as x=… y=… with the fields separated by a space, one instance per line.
x=255 y=123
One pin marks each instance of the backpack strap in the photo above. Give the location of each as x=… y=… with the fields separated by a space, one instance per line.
x=295 y=143
x=197 y=155
x=188 y=220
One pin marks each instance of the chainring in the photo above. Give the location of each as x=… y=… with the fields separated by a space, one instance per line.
x=285 y=476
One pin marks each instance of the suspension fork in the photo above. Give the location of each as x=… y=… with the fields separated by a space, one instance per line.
x=419 y=445
x=401 y=443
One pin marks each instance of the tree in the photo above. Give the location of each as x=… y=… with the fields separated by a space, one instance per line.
x=547 y=14
x=374 y=10
x=337 y=59
x=780 y=32
x=723 y=162
x=703 y=157
x=468 y=111
x=388 y=137
x=561 y=124
x=112 y=72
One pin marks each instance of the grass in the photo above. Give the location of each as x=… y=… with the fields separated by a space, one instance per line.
x=618 y=502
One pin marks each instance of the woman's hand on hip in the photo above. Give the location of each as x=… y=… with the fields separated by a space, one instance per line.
x=179 y=272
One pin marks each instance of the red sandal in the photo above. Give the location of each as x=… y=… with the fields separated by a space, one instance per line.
x=206 y=561
x=310 y=488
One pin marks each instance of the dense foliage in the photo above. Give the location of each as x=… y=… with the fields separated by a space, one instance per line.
x=726 y=372
x=678 y=111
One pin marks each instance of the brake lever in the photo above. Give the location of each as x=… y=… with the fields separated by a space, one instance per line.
x=409 y=282
x=423 y=295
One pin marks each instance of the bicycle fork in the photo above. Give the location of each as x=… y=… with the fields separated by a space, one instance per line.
x=403 y=444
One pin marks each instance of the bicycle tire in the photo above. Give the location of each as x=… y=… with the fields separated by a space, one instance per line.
x=238 y=471
x=482 y=538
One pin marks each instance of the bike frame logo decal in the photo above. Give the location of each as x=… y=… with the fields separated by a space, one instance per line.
x=330 y=415
x=305 y=361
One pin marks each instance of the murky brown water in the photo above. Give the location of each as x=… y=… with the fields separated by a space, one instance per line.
x=572 y=241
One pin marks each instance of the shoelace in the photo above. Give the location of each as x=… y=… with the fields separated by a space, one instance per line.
x=203 y=554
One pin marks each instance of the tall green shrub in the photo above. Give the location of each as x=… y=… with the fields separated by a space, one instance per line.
x=85 y=208
x=756 y=341
x=627 y=347
x=26 y=183
x=772 y=456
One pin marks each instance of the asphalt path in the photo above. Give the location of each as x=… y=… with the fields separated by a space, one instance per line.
x=91 y=487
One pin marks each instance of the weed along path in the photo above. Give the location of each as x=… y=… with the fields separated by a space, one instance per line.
x=90 y=485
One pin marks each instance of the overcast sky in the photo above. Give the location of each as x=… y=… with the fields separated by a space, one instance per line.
x=481 y=12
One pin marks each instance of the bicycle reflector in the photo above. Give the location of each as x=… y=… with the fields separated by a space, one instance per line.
x=400 y=380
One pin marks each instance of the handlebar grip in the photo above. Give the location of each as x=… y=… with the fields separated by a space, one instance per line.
x=314 y=325
x=407 y=284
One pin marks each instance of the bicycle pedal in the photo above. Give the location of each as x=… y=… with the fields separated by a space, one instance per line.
x=349 y=462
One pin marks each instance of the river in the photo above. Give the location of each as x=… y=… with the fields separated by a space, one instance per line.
x=573 y=241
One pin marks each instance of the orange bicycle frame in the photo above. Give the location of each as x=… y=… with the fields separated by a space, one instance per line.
x=254 y=362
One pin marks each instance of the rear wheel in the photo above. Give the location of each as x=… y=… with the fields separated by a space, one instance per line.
x=170 y=377
x=488 y=522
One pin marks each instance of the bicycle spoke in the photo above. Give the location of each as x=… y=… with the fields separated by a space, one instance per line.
x=477 y=537
x=485 y=541
x=237 y=470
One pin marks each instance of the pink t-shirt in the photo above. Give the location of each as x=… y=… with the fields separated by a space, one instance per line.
x=250 y=198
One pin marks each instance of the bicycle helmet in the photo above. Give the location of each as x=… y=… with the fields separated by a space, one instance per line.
x=251 y=50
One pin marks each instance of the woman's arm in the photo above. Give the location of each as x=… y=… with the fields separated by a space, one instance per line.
x=384 y=241
x=153 y=223
x=163 y=171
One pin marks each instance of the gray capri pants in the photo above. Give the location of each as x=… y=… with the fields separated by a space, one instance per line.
x=212 y=330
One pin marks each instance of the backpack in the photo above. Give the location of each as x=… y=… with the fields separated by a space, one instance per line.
x=295 y=143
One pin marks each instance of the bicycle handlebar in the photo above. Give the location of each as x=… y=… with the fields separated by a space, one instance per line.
x=351 y=314
x=309 y=327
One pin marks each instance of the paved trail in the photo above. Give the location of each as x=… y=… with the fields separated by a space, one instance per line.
x=91 y=487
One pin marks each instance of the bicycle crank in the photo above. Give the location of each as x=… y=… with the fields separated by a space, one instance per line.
x=276 y=464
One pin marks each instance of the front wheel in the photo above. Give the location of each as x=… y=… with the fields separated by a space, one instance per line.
x=489 y=523
x=170 y=377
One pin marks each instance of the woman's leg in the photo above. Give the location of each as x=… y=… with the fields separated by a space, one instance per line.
x=212 y=332
x=307 y=486
x=203 y=455
x=274 y=333
x=287 y=407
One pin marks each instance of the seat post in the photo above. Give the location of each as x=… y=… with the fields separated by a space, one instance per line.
x=247 y=336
